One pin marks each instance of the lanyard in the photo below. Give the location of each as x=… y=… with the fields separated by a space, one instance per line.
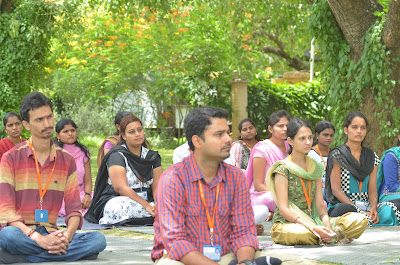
x=284 y=147
x=308 y=199
x=320 y=154
x=209 y=220
x=41 y=192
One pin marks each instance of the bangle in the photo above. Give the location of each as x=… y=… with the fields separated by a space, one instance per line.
x=296 y=219
x=30 y=233
x=87 y=193
x=320 y=217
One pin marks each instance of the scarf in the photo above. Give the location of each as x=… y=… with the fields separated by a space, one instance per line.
x=342 y=155
x=315 y=172
x=104 y=192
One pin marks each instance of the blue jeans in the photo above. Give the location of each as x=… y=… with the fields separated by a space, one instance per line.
x=13 y=240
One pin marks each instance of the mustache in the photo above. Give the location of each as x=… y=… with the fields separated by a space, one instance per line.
x=45 y=129
x=226 y=146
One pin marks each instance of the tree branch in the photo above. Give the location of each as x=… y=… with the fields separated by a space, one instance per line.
x=354 y=17
x=294 y=62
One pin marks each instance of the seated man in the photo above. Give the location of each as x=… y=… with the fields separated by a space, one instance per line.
x=35 y=177
x=203 y=212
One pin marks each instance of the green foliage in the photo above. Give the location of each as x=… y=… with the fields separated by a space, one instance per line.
x=348 y=81
x=305 y=100
x=92 y=119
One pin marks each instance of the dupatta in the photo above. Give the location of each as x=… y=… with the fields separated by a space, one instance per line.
x=315 y=172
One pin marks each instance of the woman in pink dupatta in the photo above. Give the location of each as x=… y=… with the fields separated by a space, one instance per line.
x=263 y=155
x=66 y=138
x=12 y=122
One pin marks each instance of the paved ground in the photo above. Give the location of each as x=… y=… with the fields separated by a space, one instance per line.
x=378 y=245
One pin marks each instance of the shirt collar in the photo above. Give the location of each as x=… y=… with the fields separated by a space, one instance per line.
x=196 y=174
x=53 y=150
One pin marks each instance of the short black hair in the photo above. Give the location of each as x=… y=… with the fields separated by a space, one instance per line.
x=198 y=119
x=9 y=115
x=33 y=101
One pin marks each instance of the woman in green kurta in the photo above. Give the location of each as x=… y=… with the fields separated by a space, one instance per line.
x=300 y=216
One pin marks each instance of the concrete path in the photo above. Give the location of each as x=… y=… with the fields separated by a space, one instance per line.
x=378 y=245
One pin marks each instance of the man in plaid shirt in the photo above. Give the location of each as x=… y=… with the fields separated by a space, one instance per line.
x=204 y=214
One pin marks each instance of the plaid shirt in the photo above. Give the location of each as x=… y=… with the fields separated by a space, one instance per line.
x=181 y=224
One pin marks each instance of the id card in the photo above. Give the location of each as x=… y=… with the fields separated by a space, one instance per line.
x=41 y=216
x=143 y=194
x=212 y=252
x=363 y=205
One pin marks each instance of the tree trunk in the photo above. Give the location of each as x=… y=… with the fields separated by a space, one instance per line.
x=354 y=18
x=6 y=5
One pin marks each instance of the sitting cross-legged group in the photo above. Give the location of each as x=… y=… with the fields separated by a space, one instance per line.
x=209 y=206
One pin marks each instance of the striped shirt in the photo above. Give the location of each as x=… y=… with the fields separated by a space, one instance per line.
x=19 y=193
x=181 y=224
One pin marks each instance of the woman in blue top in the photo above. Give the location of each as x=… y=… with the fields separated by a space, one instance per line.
x=388 y=184
x=351 y=176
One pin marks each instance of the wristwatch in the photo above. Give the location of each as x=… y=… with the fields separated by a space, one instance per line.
x=246 y=261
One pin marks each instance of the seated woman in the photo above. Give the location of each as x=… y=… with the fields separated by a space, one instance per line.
x=111 y=140
x=12 y=122
x=264 y=154
x=300 y=216
x=67 y=138
x=127 y=180
x=351 y=176
x=241 y=148
x=388 y=183
x=324 y=134
x=240 y=154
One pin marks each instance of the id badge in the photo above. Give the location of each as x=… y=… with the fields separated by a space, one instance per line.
x=212 y=252
x=41 y=216
x=143 y=194
x=363 y=205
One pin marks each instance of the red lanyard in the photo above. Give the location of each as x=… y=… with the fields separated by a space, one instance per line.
x=360 y=183
x=41 y=192
x=320 y=154
x=284 y=147
x=308 y=199
x=209 y=219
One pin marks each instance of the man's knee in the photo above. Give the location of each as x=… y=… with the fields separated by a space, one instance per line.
x=96 y=239
x=10 y=233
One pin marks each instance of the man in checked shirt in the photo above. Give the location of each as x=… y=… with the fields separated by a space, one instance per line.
x=204 y=215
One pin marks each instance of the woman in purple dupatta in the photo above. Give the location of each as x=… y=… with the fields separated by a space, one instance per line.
x=263 y=155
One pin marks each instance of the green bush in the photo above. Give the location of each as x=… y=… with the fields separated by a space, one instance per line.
x=305 y=100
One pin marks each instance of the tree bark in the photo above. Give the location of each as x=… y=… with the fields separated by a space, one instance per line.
x=354 y=17
x=391 y=36
x=6 y=5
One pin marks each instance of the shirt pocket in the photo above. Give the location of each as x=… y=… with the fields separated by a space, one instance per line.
x=194 y=221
